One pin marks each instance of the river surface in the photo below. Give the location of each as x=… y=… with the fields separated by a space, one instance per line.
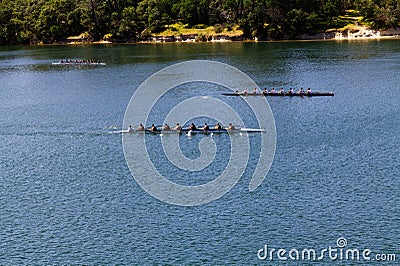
x=67 y=195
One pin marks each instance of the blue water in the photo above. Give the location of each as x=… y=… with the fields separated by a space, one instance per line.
x=68 y=197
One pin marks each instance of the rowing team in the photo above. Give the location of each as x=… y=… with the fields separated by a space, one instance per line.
x=178 y=127
x=79 y=61
x=273 y=91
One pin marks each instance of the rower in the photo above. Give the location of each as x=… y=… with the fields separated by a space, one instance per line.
x=130 y=129
x=290 y=92
x=153 y=128
x=140 y=128
x=166 y=127
x=231 y=127
x=255 y=91
x=177 y=127
x=301 y=91
x=245 y=91
x=217 y=126
x=237 y=92
x=206 y=127
x=281 y=91
x=309 y=91
x=265 y=91
x=192 y=127
x=272 y=91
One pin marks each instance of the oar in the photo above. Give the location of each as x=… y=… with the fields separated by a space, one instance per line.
x=148 y=129
x=253 y=129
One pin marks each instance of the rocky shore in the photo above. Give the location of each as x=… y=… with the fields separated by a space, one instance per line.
x=354 y=33
x=359 y=32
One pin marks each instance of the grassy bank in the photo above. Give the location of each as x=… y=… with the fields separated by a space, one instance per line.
x=178 y=29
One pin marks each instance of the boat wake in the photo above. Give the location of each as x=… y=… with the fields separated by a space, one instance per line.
x=70 y=134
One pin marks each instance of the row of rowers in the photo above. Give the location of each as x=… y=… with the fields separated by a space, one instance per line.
x=178 y=127
x=273 y=91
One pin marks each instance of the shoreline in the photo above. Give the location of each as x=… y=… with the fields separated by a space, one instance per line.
x=391 y=37
x=310 y=39
x=351 y=34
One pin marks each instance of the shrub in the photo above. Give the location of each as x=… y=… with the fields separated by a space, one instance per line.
x=218 y=28
x=229 y=27
x=200 y=26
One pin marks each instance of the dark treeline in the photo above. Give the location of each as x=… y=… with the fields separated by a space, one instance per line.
x=49 y=21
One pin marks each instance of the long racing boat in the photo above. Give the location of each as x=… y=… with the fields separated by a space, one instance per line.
x=197 y=131
x=279 y=94
x=77 y=63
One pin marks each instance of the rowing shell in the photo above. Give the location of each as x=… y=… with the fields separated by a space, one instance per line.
x=77 y=64
x=312 y=94
x=197 y=131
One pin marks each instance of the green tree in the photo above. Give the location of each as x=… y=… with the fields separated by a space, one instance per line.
x=6 y=15
x=31 y=21
x=57 y=20
x=149 y=15
x=128 y=27
x=382 y=14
